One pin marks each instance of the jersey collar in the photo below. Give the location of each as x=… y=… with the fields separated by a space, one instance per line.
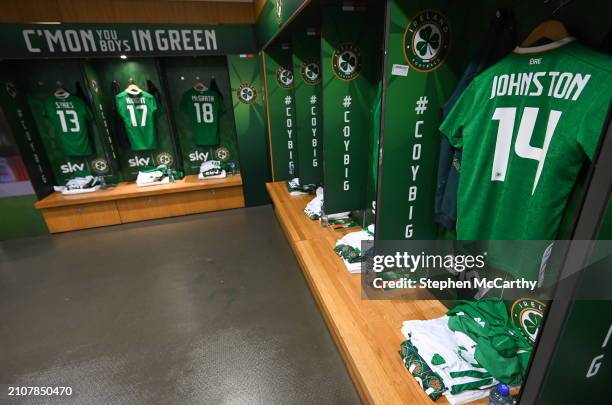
x=544 y=48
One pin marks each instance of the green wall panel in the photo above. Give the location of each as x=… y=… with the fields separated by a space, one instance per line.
x=308 y=103
x=19 y=118
x=350 y=60
x=250 y=119
x=416 y=89
x=281 y=112
x=274 y=16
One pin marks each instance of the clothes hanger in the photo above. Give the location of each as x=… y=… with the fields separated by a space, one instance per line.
x=199 y=85
x=552 y=30
x=60 y=92
x=133 y=89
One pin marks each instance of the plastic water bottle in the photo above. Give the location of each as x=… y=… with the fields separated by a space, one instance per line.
x=500 y=395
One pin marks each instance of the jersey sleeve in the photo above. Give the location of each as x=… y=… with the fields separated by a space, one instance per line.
x=457 y=118
x=46 y=110
x=592 y=125
x=184 y=104
x=221 y=104
x=87 y=114
x=153 y=105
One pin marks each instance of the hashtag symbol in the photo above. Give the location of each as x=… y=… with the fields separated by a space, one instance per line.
x=421 y=105
x=313 y=99
x=346 y=102
x=287 y=100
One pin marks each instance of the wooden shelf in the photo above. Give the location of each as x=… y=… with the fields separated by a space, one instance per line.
x=131 y=190
x=126 y=202
x=366 y=332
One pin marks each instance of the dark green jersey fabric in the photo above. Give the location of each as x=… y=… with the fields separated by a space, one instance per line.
x=526 y=126
x=68 y=117
x=500 y=346
x=138 y=115
x=204 y=109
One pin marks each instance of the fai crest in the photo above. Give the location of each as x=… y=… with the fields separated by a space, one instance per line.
x=284 y=77
x=311 y=72
x=164 y=158
x=346 y=61
x=99 y=166
x=222 y=153
x=246 y=93
x=426 y=41
x=527 y=315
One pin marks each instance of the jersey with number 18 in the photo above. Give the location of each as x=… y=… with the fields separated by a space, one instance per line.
x=204 y=109
x=138 y=115
x=526 y=126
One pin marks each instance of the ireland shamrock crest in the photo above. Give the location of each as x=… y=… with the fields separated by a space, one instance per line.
x=164 y=158
x=426 y=41
x=99 y=165
x=222 y=153
x=284 y=77
x=346 y=61
x=527 y=315
x=246 y=93
x=311 y=72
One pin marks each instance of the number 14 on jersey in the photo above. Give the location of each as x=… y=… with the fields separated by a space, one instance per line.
x=522 y=147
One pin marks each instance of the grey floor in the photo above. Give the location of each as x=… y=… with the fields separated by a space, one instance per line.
x=205 y=309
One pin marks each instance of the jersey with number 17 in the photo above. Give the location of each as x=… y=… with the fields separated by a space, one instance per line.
x=138 y=114
x=526 y=126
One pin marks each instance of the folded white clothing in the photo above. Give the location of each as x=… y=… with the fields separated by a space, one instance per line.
x=164 y=180
x=354 y=239
x=150 y=176
x=353 y=268
x=294 y=187
x=81 y=182
x=67 y=191
x=210 y=165
x=450 y=355
x=221 y=175
x=319 y=192
x=339 y=215
x=294 y=183
x=315 y=206
x=349 y=246
x=78 y=185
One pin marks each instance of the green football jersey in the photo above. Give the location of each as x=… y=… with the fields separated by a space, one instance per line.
x=526 y=126
x=138 y=115
x=68 y=117
x=204 y=109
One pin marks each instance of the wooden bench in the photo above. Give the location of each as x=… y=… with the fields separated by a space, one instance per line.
x=366 y=332
x=126 y=202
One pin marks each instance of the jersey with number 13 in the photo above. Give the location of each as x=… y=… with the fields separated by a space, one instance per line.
x=68 y=116
x=526 y=126
x=138 y=115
